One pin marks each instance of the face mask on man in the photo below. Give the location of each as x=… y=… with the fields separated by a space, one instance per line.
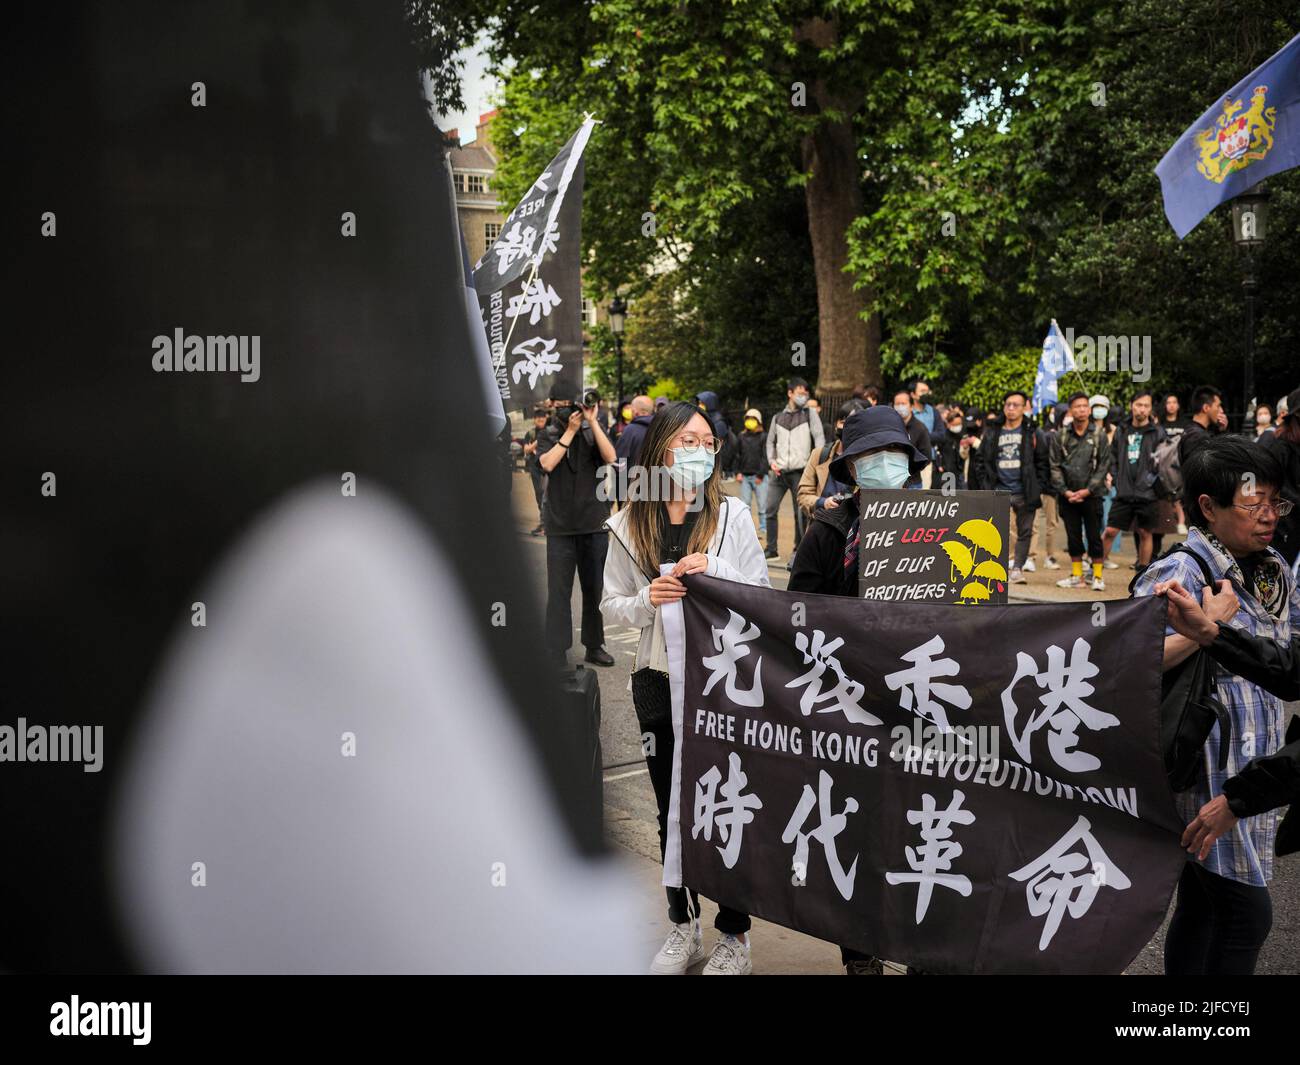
x=800 y=401
x=884 y=469
x=751 y=424
x=690 y=469
x=904 y=410
x=1263 y=419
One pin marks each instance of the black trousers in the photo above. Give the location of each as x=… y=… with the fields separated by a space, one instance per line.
x=650 y=697
x=1218 y=927
x=584 y=553
x=538 y=478
x=1080 y=518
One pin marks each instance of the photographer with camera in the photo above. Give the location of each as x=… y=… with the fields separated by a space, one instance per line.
x=571 y=450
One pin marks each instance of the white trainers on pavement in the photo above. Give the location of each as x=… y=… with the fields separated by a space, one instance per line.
x=730 y=958
x=1051 y=562
x=1029 y=566
x=1070 y=582
x=1098 y=585
x=1017 y=577
x=1108 y=564
x=682 y=949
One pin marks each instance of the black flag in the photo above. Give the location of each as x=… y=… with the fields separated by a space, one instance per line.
x=530 y=286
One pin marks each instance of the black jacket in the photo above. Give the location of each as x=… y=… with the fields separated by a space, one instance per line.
x=1035 y=469
x=819 y=562
x=1080 y=461
x=1287 y=539
x=1140 y=481
x=751 y=455
x=1274 y=780
x=1193 y=437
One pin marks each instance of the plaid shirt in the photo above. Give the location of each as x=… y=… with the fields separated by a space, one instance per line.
x=1246 y=853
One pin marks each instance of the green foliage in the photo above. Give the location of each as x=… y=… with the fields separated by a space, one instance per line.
x=1007 y=150
x=992 y=378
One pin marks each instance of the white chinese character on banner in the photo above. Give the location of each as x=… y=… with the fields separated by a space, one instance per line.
x=550 y=238
x=540 y=357
x=830 y=826
x=540 y=183
x=731 y=814
x=918 y=684
x=1062 y=879
x=1062 y=706
x=729 y=641
x=931 y=861
x=514 y=244
x=537 y=300
x=844 y=696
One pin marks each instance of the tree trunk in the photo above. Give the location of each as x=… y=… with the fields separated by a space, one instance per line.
x=849 y=344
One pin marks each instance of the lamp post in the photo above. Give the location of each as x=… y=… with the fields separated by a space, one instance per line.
x=1249 y=228
x=617 y=319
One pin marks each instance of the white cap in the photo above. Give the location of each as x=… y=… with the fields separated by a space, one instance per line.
x=1099 y=401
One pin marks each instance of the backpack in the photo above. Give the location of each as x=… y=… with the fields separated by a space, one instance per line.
x=1169 y=471
x=1189 y=706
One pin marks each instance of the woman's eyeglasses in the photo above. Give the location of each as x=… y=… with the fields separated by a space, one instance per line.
x=690 y=443
x=1256 y=510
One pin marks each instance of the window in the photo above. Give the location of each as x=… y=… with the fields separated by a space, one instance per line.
x=588 y=311
x=491 y=230
x=477 y=183
x=459 y=180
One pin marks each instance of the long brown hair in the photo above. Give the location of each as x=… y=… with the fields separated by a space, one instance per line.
x=643 y=525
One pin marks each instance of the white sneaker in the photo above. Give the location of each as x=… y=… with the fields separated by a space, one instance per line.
x=1070 y=582
x=1017 y=577
x=1029 y=566
x=1098 y=585
x=730 y=958
x=1108 y=564
x=1051 y=563
x=682 y=949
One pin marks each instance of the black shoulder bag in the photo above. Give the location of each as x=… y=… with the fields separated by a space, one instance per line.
x=1189 y=707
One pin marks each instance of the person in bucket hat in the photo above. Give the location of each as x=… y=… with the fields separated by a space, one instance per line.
x=877 y=453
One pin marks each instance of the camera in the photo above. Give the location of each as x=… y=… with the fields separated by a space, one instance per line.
x=588 y=399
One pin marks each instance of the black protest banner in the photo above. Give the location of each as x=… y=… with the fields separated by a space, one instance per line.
x=961 y=790
x=933 y=546
x=529 y=285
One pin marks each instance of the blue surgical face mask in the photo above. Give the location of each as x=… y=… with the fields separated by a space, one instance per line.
x=800 y=400
x=884 y=469
x=690 y=469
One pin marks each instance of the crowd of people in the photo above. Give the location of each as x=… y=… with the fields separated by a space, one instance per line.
x=1148 y=472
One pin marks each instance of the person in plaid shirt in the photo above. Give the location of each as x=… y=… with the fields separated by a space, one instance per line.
x=1224 y=912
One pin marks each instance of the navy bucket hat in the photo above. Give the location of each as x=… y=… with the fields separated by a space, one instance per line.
x=871 y=428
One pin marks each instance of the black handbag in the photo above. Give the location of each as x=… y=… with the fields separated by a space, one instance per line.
x=1189 y=707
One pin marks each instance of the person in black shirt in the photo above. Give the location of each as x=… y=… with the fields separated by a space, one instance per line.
x=534 y=468
x=571 y=451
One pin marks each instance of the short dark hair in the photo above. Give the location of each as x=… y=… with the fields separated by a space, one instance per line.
x=901 y=390
x=1016 y=392
x=796 y=382
x=851 y=407
x=1076 y=395
x=1216 y=468
x=1143 y=392
x=873 y=394
x=1204 y=395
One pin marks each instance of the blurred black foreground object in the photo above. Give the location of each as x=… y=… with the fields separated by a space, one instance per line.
x=326 y=613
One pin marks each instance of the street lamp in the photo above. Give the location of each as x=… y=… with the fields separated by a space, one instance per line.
x=617 y=319
x=1249 y=228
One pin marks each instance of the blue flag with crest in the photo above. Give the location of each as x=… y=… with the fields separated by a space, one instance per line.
x=1248 y=134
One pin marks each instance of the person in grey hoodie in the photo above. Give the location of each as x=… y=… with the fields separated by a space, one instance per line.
x=794 y=433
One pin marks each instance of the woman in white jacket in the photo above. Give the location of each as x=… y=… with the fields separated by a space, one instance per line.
x=679 y=516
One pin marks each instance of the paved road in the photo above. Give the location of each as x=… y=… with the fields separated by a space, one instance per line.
x=629 y=801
